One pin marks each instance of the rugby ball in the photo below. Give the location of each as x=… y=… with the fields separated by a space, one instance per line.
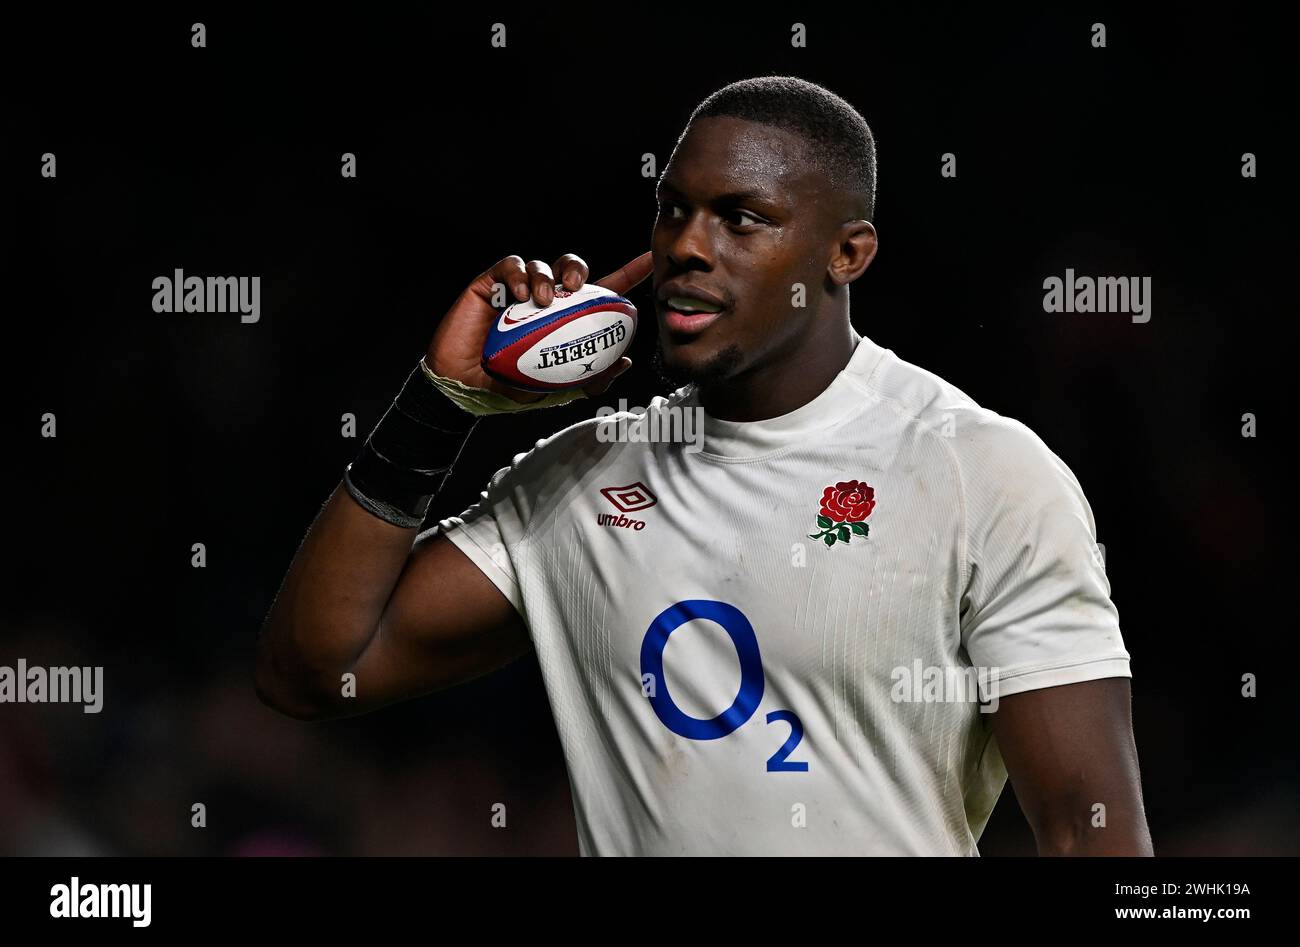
x=569 y=344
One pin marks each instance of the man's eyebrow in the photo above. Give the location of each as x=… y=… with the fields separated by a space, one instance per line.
x=664 y=185
x=741 y=197
x=727 y=199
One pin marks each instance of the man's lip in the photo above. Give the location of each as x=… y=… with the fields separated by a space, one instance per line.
x=674 y=288
x=693 y=323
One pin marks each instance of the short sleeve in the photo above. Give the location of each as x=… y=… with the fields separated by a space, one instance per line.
x=490 y=534
x=1036 y=610
x=494 y=533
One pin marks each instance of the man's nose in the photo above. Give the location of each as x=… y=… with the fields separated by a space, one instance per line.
x=691 y=245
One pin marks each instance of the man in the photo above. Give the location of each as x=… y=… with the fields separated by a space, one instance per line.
x=756 y=655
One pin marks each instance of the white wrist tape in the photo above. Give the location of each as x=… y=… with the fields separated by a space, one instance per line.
x=480 y=401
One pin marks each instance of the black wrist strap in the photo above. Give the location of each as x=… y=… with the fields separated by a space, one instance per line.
x=407 y=457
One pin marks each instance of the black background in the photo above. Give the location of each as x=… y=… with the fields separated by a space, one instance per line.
x=178 y=428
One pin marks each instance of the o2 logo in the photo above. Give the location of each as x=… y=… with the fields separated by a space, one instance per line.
x=737 y=626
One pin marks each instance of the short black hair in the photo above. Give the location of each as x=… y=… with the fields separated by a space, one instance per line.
x=841 y=145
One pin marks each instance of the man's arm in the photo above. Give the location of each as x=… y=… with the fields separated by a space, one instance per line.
x=1068 y=750
x=363 y=596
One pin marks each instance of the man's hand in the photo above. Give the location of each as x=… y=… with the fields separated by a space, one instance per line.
x=456 y=350
x=1069 y=750
x=359 y=599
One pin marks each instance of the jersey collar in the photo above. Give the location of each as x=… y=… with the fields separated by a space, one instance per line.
x=753 y=439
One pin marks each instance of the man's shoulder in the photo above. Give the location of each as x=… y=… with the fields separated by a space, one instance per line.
x=983 y=443
x=592 y=439
x=921 y=396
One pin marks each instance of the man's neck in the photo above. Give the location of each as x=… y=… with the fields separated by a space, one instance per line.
x=777 y=389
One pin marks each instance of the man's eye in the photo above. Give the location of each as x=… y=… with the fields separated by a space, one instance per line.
x=743 y=218
x=670 y=210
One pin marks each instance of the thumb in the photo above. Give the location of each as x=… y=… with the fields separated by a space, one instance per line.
x=629 y=274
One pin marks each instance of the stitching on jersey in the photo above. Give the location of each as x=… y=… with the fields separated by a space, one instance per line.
x=1027 y=669
x=468 y=533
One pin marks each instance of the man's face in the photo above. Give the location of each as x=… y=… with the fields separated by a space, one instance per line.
x=742 y=219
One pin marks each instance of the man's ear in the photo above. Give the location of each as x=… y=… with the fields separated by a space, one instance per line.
x=855 y=248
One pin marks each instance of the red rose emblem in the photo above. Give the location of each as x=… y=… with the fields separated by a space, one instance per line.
x=849 y=501
x=844 y=507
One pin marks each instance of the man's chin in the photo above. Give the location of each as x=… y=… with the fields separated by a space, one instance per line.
x=677 y=365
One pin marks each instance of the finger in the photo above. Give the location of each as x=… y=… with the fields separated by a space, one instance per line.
x=571 y=271
x=599 y=387
x=512 y=272
x=628 y=275
x=541 y=283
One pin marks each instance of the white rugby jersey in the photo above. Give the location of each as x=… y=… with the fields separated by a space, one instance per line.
x=758 y=647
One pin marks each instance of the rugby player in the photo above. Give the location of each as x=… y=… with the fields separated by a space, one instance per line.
x=755 y=653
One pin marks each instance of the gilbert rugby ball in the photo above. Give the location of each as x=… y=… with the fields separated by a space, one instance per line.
x=569 y=344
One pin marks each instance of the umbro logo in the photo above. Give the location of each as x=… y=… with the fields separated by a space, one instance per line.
x=628 y=499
